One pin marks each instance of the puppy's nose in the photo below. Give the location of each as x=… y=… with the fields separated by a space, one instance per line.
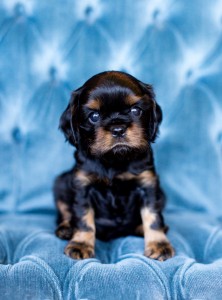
x=118 y=130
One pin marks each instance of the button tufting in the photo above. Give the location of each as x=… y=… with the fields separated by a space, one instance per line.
x=88 y=11
x=156 y=14
x=189 y=73
x=17 y=135
x=53 y=73
x=19 y=10
x=161 y=43
x=89 y=15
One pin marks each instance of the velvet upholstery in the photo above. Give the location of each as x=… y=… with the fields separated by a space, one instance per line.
x=47 y=49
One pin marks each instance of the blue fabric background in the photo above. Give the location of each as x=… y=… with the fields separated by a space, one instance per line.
x=48 y=48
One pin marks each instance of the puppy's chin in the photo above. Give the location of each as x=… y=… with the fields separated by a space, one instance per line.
x=120 y=149
x=123 y=151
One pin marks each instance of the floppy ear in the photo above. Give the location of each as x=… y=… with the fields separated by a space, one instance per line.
x=68 y=123
x=155 y=113
x=155 y=120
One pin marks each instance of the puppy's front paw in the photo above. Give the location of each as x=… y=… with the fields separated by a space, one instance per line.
x=79 y=250
x=64 y=231
x=159 y=250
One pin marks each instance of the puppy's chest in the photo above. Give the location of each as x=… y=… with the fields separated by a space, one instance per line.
x=117 y=194
x=121 y=193
x=116 y=203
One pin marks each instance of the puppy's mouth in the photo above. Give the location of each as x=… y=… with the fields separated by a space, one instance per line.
x=120 y=147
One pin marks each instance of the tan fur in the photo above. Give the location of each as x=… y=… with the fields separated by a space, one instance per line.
x=126 y=176
x=132 y=99
x=103 y=141
x=135 y=137
x=148 y=218
x=82 y=243
x=146 y=178
x=88 y=218
x=84 y=178
x=63 y=208
x=87 y=237
x=93 y=104
x=79 y=250
x=159 y=250
x=157 y=245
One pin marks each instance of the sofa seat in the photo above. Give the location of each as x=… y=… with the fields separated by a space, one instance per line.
x=33 y=265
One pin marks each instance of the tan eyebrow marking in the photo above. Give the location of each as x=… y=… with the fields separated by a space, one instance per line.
x=93 y=104
x=132 y=99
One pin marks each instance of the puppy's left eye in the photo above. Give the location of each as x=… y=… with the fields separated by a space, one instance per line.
x=94 y=117
x=136 y=111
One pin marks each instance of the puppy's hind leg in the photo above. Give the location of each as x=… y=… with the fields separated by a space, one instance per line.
x=64 y=194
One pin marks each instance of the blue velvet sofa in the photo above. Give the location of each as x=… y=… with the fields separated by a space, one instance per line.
x=48 y=48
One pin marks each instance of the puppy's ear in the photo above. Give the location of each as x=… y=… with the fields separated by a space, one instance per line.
x=155 y=113
x=68 y=122
x=155 y=121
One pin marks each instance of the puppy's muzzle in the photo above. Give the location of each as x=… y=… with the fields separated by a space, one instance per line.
x=118 y=131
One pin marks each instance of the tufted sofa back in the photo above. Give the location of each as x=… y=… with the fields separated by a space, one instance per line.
x=48 y=49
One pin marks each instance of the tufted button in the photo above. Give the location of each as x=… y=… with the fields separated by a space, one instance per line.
x=89 y=14
x=156 y=14
x=88 y=11
x=53 y=73
x=17 y=135
x=189 y=74
x=19 y=10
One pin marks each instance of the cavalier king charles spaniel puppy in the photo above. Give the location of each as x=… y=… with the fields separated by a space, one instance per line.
x=113 y=189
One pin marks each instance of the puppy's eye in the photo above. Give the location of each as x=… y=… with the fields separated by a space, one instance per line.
x=94 y=117
x=136 y=111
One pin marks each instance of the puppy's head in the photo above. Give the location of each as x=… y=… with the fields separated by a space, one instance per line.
x=113 y=113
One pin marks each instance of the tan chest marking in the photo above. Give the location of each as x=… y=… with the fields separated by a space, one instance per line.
x=85 y=178
x=146 y=178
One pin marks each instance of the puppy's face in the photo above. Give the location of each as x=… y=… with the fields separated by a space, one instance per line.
x=112 y=113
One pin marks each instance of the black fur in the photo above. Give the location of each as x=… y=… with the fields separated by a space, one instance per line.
x=116 y=202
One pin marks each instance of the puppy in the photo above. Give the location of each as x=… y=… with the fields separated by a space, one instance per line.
x=113 y=189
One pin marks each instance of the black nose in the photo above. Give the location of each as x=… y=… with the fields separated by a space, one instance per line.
x=118 y=130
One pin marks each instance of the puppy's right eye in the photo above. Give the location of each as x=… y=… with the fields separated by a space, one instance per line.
x=94 y=117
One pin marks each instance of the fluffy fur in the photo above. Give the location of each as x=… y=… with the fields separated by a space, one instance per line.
x=113 y=189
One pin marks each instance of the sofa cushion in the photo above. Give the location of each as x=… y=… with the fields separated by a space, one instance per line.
x=33 y=265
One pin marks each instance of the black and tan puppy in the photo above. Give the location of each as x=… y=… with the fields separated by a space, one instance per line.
x=113 y=189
